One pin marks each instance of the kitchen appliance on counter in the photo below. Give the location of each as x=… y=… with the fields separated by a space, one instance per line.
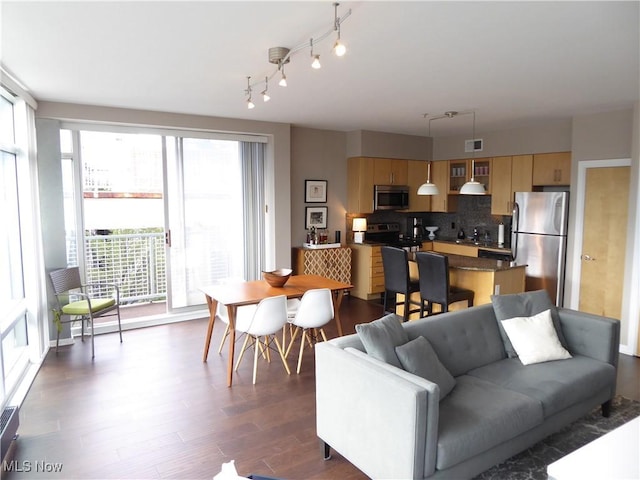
x=539 y=240
x=390 y=197
x=416 y=230
x=389 y=234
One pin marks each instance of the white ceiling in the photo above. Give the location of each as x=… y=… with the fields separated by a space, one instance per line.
x=514 y=63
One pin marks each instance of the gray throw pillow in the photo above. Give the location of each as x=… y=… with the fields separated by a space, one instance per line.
x=382 y=336
x=419 y=357
x=525 y=304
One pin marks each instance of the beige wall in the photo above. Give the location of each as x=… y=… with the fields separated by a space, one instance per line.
x=318 y=155
x=365 y=143
x=547 y=137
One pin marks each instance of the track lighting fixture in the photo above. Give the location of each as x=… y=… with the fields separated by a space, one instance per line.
x=265 y=95
x=281 y=55
x=316 y=58
x=250 y=104
x=338 y=48
x=283 y=79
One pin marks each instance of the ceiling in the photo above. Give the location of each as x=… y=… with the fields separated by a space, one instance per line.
x=514 y=63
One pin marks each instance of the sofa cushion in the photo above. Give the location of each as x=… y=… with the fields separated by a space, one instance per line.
x=419 y=358
x=557 y=384
x=524 y=304
x=534 y=339
x=382 y=336
x=478 y=415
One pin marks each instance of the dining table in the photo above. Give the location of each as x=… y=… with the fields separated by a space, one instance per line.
x=238 y=293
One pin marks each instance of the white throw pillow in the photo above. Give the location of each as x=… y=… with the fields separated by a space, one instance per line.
x=534 y=338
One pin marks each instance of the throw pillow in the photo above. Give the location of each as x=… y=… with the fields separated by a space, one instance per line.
x=382 y=336
x=419 y=357
x=534 y=338
x=524 y=305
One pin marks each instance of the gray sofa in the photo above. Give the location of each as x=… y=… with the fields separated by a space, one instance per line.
x=390 y=423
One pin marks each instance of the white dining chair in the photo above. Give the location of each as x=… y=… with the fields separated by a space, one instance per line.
x=314 y=311
x=262 y=321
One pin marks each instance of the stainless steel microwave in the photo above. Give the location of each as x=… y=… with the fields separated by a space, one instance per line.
x=390 y=197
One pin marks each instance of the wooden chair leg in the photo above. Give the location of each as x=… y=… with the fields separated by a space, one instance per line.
x=291 y=340
x=244 y=347
x=324 y=337
x=304 y=336
x=255 y=361
x=224 y=337
x=282 y=356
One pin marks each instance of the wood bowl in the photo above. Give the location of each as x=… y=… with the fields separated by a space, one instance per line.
x=277 y=278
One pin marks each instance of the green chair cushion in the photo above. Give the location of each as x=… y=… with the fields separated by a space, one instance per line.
x=82 y=307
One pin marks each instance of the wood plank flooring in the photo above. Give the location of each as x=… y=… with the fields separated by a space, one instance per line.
x=150 y=408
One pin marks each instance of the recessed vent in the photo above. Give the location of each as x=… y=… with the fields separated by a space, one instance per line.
x=473 y=145
x=9 y=427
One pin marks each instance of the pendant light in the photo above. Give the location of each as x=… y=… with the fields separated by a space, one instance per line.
x=472 y=187
x=428 y=188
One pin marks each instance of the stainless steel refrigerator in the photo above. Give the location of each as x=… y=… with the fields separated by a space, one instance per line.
x=539 y=240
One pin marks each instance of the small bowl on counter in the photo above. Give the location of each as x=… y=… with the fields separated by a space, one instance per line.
x=277 y=278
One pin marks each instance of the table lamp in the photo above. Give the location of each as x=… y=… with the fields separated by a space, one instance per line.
x=359 y=227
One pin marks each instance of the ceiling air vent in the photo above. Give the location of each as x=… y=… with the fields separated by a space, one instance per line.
x=473 y=145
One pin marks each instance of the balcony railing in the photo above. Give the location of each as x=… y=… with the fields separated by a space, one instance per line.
x=135 y=262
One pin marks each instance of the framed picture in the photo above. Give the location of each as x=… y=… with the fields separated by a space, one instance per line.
x=316 y=217
x=315 y=191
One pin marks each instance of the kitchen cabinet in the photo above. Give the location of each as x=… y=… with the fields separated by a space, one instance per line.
x=552 y=169
x=509 y=175
x=333 y=263
x=360 y=185
x=367 y=271
x=460 y=173
x=390 y=171
x=417 y=172
x=443 y=202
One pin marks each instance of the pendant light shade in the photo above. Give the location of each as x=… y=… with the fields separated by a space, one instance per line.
x=472 y=187
x=428 y=188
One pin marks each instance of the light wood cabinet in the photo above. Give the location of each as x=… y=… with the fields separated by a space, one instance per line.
x=360 y=185
x=460 y=173
x=334 y=263
x=390 y=171
x=552 y=169
x=417 y=171
x=367 y=271
x=509 y=175
x=443 y=202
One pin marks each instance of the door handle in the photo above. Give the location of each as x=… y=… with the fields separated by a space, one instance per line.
x=587 y=258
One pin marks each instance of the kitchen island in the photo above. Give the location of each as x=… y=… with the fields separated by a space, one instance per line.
x=484 y=276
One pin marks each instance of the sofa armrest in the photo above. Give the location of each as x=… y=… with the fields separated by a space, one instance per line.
x=382 y=419
x=590 y=335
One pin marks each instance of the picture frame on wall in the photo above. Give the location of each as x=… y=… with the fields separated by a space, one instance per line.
x=315 y=191
x=316 y=217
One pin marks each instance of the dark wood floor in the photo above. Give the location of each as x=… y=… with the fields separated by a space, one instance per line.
x=150 y=408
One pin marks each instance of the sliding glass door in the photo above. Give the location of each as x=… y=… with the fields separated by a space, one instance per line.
x=212 y=195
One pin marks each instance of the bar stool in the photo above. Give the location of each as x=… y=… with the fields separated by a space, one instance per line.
x=433 y=271
x=395 y=263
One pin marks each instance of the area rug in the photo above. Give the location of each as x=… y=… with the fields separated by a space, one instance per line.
x=532 y=463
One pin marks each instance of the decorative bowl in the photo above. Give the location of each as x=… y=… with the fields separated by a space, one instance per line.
x=277 y=278
x=432 y=231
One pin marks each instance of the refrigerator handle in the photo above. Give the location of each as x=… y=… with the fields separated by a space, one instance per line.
x=515 y=228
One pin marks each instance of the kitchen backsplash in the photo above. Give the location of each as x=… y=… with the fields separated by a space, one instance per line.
x=474 y=211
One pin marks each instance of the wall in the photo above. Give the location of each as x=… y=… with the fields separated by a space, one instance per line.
x=547 y=137
x=318 y=155
x=365 y=143
x=278 y=156
x=51 y=207
x=605 y=136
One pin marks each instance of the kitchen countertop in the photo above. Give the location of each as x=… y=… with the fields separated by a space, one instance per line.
x=480 y=244
x=462 y=262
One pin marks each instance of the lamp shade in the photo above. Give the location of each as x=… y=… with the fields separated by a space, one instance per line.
x=428 y=188
x=472 y=188
x=359 y=225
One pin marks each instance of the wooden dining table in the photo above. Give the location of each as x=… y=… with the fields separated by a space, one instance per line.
x=237 y=294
